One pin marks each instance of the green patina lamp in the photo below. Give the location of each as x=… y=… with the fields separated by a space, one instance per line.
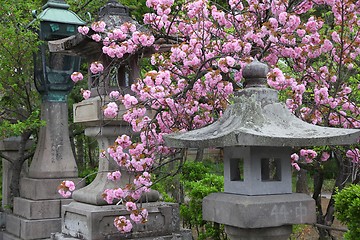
x=53 y=70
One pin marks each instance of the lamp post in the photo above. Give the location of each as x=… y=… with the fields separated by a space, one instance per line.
x=37 y=212
x=53 y=157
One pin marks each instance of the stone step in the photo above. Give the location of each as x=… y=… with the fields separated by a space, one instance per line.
x=31 y=229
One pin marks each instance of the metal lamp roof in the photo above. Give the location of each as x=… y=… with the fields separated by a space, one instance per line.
x=57 y=11
x=257 y=118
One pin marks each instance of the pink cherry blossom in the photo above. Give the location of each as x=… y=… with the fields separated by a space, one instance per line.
x=86 y=94
x=122 y=224
x=325 y=156
x=83 y=30
x=308 y=154
x=111 y=110
x=353 y=155
x=65 y=188
x=76 y=76
x=96 y=37
x=114 y=176
x=130 y=206
x=98 y=26
x=114 y=95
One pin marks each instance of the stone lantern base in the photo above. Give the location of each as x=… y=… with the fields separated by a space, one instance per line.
x=89 y=222
x=37 y=213
x=259 y=217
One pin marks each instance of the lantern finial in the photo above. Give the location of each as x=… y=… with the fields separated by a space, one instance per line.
x=255 y=74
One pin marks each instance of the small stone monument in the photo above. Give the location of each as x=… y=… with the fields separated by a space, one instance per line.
x=90 y=217
x=257 y=133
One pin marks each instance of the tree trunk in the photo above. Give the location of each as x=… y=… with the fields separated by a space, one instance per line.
x=301 y=182
x=318 y=183
x=199 y=155
x=339 y=184
x=17 y=165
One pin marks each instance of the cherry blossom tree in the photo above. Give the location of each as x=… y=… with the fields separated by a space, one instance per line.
x=311 y=46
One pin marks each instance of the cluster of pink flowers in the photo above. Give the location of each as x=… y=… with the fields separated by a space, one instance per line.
x=294 y=159
x=308 y=154
x=111 y=110
x=114 y=176
x=122 y=224
x=76 y=76
x=96 y=67
x=66 y=188
x=194 y=79
x=353 y=155
x=86 y=93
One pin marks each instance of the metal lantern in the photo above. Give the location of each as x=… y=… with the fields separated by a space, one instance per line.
x=52 y=70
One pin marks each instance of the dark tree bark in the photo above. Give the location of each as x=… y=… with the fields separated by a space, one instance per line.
x=318 y=183
x=199 y=155
x=17 y=164
x=301 y=182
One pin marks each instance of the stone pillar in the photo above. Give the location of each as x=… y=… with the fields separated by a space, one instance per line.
x=92 y=193
x=37 y=212
x=53 y=156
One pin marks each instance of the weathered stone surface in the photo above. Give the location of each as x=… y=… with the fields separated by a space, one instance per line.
x=252 y=183
x=274 y=233
x=257 y=118
x=31 y=209
x=183 y=235
x=90 y=222
x=89 y=112
x=247 y=123
x=53 y=156
x=92 y=193
x=259 y=211
x=8 y=236
x=13 y=224
x=31 y=229
x=42 y=189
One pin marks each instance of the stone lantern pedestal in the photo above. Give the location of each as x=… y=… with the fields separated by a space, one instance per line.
x=37 y=212
x=257 y=133
x=259 y=217
x=89 y=216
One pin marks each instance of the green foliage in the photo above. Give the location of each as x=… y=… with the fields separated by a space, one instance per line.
x=19 y=102
x=198 y=182
x=33 y=122
x=89 y=174
x=347 y=207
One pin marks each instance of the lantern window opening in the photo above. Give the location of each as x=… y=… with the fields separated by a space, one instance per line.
x=270 y=169
x=237 y=169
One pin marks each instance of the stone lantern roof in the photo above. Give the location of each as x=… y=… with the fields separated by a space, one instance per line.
x=114 y=14
x=257 y=118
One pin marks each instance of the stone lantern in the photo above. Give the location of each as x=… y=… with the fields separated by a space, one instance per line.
x=257 y=133
x=89 y=216
x=37 y=212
